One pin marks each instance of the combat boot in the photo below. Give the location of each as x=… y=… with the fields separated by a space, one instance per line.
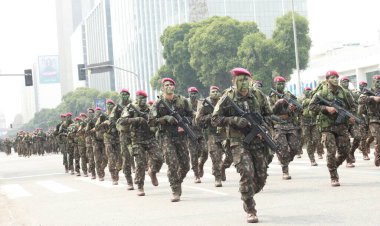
x=153 y=178
x=350 y=165
x=85 y=174
x=252 y=218
x=223 y=173
x=314 y=163
x=176 y=195
x=140 y=191
x=286 y=176
x=218 y=183
x=335 y=182
x=72 y=172
x=78 y=174
x=93 y=176
x=200 y=168
x=197 y=180
x=320 y=157
x=377 y=159
x=366 y=157
x=129 y=183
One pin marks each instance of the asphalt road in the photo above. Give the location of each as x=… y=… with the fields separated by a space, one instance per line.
x=36 y=191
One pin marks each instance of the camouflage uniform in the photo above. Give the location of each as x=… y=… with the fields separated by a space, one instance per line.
x=99 y=147
x=173 y=141
x=82 y=147
x=335 y=137
x=144 y=144
x=367 y=101
x=89 y=140
x=251 y=162
x=286 y=132
x=72 y=147
x=311 y=134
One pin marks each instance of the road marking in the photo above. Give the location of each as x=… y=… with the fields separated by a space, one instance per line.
x=105 y=183
x=54 y=186
x=29 y=176
x=206 y=190
x=14 y=191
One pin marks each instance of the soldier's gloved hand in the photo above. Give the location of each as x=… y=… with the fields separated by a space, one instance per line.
x=237 y=121
x=137 y=120
x=170 y=120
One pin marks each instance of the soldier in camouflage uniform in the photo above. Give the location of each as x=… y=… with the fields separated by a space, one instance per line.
x=40 y=139
x=250 y=160
x=82 y=143
x=372 y=103
x=198 y=151
x=8 y=146
x=125 y=138
x=144 y=143
x=89 y=139
x=61 y=134
x=172 y=136
x=214 y=139
x=335 y=136
x=72 y=146
x=112 y=142
x=311 y=134
x=286 y=131
x=98 y=144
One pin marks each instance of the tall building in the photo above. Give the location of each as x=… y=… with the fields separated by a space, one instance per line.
x=121 y=39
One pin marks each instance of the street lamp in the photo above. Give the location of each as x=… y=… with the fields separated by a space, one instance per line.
x=299 y=91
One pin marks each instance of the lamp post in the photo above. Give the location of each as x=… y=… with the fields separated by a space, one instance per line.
x=299 y=91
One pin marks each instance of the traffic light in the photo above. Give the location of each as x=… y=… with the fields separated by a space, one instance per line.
x=28 y=77
x=81 y=72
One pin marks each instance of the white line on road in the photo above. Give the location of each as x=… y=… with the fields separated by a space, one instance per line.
x=13 y=191
x=54 y=186
x=29 y=176
x=206 y=190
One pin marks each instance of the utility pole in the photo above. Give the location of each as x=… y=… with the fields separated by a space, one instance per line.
x=299 y=91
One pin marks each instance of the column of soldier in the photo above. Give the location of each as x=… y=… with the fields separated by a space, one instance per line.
x=26 y=143
x=239 y=125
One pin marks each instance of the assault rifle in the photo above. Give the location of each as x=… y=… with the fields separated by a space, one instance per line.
x=207 y=102
x=341 y=111
x=182 y=121
x=370 y=92
x=139 y=113
x=255 y=120
x=290 y=100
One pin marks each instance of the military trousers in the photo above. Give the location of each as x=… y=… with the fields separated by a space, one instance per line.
x=252 y=167
x=288 y=141
x=100 y=157
x=83 y=158
x=215 y=149
x=311 y=137
x=198 y=154
x=177 y=158
x=63 y=149
x=143 y=151
x=375 y=133
x=336 y=140
x=127 y=159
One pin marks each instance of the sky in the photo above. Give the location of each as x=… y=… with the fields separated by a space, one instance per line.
x=28 y=30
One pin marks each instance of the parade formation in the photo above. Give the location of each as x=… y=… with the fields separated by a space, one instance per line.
x=239 y=125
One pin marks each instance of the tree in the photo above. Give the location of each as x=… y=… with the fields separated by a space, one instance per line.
x=284 y=60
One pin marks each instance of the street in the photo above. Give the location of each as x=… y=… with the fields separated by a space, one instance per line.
x=36 y=191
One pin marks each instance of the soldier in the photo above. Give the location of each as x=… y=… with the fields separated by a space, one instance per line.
x=8 y=146
x=125 y=138
x=112 y=142
x=98 y=144
x=311 y=134
x=82 y=143
x=198 y=150
x=40 y=138
x=335 y=136
x=72 y=141
x=61 y=137
x=89 y=139
x=172 y=136
x=143 y=141
x=286 y=131
x=371 y=101
x=250 y=160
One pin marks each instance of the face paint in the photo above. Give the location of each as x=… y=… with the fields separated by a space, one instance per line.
x=344 y=83
x=361 y=87
x=307 y=93
x=110 y=106
x=333 y=80
x=124 y=96
x=97 y=113
x=214 y=94
x=140 y=100
x=168 y=88
x=280 y=87
x=90 y=114
x=193 y=96
x=242 y=83
x=376 y=84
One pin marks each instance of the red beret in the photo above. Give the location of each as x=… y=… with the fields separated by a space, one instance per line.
x=98 y=109
x=240 y=71
x=77 y=119
x=69 y=114
x=279 y=79
x=150 y=102
x=362 y=83
x=82 y=115
x=124 y=91
x=345 y=78
x=141 y=93
x=192 y=89
x=168 y=80
x=376 y=77
x=307 y=88
x=331 y=73
x=109 y=101
x=63 y=115
x=214 y=87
